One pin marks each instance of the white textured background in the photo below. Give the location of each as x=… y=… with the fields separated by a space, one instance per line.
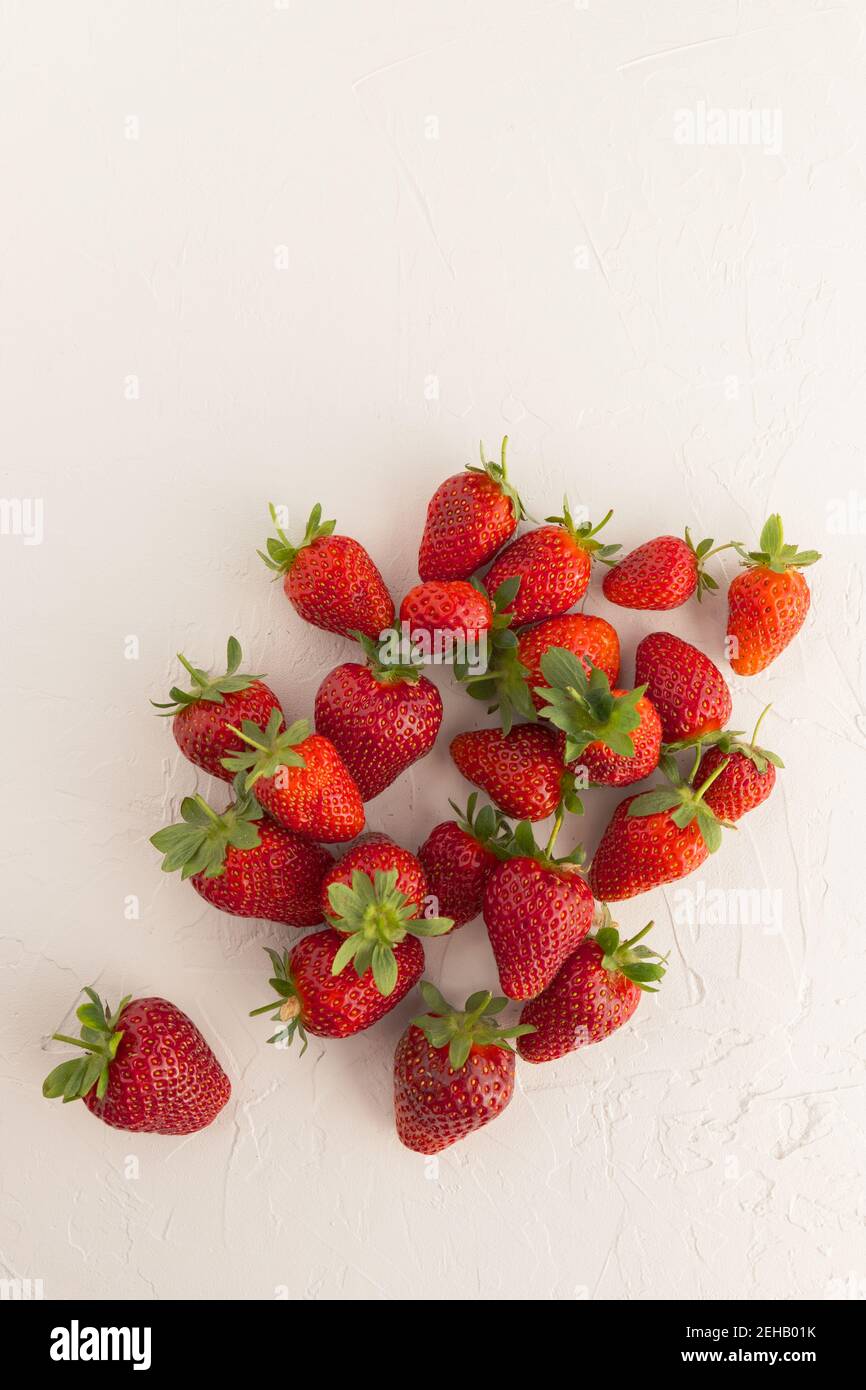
x=486 y=224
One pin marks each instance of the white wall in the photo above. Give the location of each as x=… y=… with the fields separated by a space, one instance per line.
x=488 y=225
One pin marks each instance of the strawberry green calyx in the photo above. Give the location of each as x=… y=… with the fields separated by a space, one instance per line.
x=640 y=964
x=773 y=553
x=281 y=553
x=475 y=1025
x=685 y=803
x=384 y=671
x=702 y=552
x=503 y=686
x=199 y=842
x=498 y=473
x=205 y=686
x=286 y=1008
x=489 y=827
x=584 y=708
x=100 y=1039
x=269 y=749
x=584 y=534
x=522 y=844
x=374 y=916
x=732 y=741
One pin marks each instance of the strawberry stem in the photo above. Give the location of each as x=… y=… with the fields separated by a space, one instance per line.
x=633 y=940
x=557 y=826
x=758 y=725
x=717 y=772
x=260 y=747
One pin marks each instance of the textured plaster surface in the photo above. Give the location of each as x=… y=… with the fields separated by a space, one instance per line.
x=315 y=251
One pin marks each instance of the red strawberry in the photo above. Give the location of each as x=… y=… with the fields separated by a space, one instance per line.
x=146 y=1068
x=662 y=573
x=458 y=860
x=596 y=991
x=330 y=580
x=615 y=735
x=381 y=718
x=245 y=864
x=768 y=601
x=553 y=565
x=202 y=715
x=447 y=609
x=313 y=997
x=748 y=778
x=469 y=517
x=521 y=771
x=373 y=854
x=654 y=838
x=300 y=779
x=591 y=639
x=537 y=910
x=453 y=1071
x=687 y=689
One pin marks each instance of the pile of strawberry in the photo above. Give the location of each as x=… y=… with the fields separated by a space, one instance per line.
x=565 y=722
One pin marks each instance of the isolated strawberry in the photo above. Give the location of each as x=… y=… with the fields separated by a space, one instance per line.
x=459 y=856
x=243 y=863
x=656 y=837
x=596 y=991
x=300 y=779
x=453 y=1071
x=314 y=998
x=553 y=565
x=662 y=573
x=748 y=778
x=201 y=716
x=381 y=718
x=444 y=608
x=522 y=771
x=686 y=687
x=330 y=580
x=615 y=735
x=537 y=910
x=469 y=517
x=146 y=1068
x=768 y=601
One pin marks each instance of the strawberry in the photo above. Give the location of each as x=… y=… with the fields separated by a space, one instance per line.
x=687 y=689
x=662 y=573
x=537 y=910
x=596 y=991
x=522 y=771
x=314 y=998
x=447 y=608
x=553 y=565
x=615 y=735
x=768 y=601
x=748 y=778
x=330 y=580
x=656 y=837
x=201 y=716
x=377 y=853
x=459 y=856
x=453 y=1071
x=591 y=639
x=146 y=1068
x=300 y=779
x=245 y=864
x=469 y=517
x=381 y=718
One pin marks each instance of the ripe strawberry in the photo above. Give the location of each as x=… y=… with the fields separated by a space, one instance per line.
x=313 y=997
x=330 y=580
x=243 y=867
x=459 y=856
x=300 y=779
x=768 y=601
x=591 y=639
x=687 y=689
x=377 y=853
x=656 y=837
x=662 y=573
x=469 y=517
x=447 y=608
x=537 y=910
x=381 y=718
x=596 y=991
x=748 y=778
x=615 y=735
x=147 y=1068
x=453 y=1071
x=522 y=771
x=201 y=716
x=553 y=565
